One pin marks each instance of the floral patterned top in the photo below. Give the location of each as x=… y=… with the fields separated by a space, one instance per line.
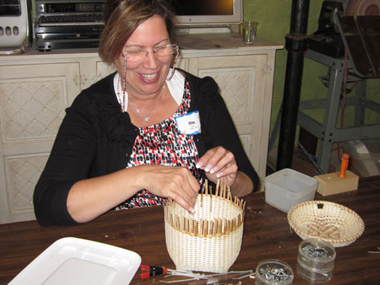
x=163 y=144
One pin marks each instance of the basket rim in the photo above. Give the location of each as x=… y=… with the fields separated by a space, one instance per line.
x=331 y=240
x=225 y=226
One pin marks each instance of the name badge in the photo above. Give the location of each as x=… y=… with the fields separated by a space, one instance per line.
x=189 y=124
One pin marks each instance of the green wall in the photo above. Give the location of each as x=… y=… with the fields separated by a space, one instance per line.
x=274 y=23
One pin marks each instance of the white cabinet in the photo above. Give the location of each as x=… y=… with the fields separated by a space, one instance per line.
x=35 y=89
x=32 y=104
x=241 y=80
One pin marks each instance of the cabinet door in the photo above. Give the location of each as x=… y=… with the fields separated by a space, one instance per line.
x=33 y=99
x=103 y=69
x=242 y=83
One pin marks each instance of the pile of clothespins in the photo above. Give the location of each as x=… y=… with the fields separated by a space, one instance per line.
x=195 y=278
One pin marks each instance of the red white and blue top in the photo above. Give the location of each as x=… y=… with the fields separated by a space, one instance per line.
x=163 y=144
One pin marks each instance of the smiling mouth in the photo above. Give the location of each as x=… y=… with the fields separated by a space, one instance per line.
x=149 y=76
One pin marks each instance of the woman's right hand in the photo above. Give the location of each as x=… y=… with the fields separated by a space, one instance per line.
x=92 y=197
x=171 y=182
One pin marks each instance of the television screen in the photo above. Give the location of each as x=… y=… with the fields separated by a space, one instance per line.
x=206 y=12
x=203 y=7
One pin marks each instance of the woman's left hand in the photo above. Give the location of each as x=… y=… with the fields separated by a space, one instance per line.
x=219 y=164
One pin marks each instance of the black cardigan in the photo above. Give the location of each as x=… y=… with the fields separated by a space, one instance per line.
x=96 y=138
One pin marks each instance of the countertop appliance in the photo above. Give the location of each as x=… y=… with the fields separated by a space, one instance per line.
x=68 y=24
x=15 y=26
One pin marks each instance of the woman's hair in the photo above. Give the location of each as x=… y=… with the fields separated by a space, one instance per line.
x=122 y=17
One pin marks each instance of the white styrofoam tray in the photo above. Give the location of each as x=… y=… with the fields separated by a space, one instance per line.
x=79 y=261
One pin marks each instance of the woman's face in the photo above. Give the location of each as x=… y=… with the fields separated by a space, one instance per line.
x=146 y=77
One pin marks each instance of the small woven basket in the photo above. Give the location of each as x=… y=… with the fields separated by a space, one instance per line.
x=210 y=239
x=328 y=221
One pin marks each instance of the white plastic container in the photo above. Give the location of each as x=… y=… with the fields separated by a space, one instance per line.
x=287 y=188
x=365 y=156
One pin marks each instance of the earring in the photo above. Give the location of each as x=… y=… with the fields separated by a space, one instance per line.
x=124 y=73
x=171 y=73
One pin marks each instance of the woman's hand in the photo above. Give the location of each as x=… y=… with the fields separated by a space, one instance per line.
x=92 y=197
x=172 y=182
x=219 y=164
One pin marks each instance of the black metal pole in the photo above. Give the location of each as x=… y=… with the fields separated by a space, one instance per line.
x=296 y=44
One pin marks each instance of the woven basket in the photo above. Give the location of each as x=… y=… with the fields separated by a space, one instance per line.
x=208 y=240
x=328 y=221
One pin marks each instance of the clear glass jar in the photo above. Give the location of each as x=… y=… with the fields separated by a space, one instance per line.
x=274 y=272
x=316 y=260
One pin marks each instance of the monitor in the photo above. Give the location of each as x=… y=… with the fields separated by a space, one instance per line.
x=208 y=12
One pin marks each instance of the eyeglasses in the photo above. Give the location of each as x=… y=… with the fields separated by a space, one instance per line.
x=159 y=51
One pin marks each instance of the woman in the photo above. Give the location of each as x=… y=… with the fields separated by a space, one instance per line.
x=143 y=134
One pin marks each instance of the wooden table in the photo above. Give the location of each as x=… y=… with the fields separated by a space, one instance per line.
x=267 y=235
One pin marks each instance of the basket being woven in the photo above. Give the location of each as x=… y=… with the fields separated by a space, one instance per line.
x=208 y=240
x=328 y=221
